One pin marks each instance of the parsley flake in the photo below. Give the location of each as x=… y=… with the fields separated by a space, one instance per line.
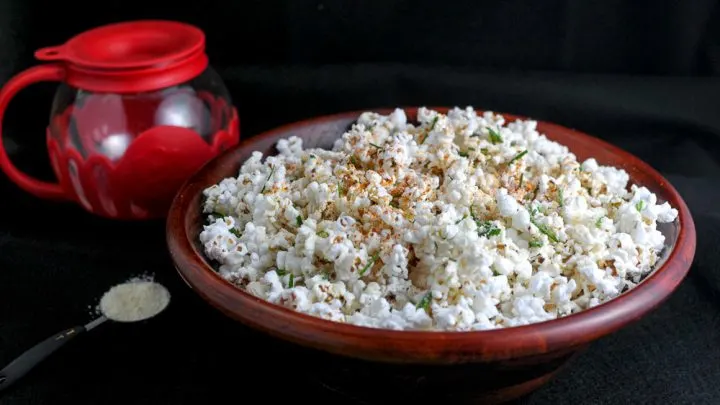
x=369 y=264
x=561 y=197
x=299 y=220
x=494 y=136
x=291 y=281
x=518 y=156
x=484 y=228
x=376 y=146
x=272 y=170
x=640 y=206
x=544 y=229
x=425 y=301
x=487 y=229
x=323 y=234
x=536 y=243
x=235 y=232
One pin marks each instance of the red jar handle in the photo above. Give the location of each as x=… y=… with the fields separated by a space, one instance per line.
x=41 y=73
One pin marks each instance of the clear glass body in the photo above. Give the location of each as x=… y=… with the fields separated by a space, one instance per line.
x=107 y=123
x=90 y=137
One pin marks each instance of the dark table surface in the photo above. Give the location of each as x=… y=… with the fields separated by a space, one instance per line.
x=56 y=260
x=643 y=80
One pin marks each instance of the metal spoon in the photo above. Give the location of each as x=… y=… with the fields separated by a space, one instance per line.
x=33 y=356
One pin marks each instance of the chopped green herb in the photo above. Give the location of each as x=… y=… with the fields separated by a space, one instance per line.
x=484 y=151
x=425 y=301
x=432 y=126
x=544 y=229
x=312 y=156
x=495 y=272
x=369 y=264
x=471 y=149
x=518 y=156
x=355 y=161
x=494 y=136
x=291 y=281
x=341 y=190
x=598 y=223
x=463 y=154
x=272 y=170
x=323 y=234
x=376 y=146
x=487 y=229
x=535 y=243
x=640 y=206
x=461 y=219
x=235 y=232
x=281 y=272
x=522 y=179
x=299 y=220
x=561 y=197
x=484 y=228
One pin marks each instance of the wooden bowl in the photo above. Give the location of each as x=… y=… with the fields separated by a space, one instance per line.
x=477 y=366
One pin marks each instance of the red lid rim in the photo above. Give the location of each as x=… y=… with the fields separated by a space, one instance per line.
x=65 y=52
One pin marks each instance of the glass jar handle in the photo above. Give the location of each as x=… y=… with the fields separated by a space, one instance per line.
x=41 y=73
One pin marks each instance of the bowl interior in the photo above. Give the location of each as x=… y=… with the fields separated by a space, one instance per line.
x=185 y=222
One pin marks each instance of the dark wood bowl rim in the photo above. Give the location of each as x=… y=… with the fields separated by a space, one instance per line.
x=561 y=334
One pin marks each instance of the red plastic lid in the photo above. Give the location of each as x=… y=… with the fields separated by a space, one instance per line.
x=131 y=57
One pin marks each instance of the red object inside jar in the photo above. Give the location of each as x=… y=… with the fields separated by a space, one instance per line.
x=153 y=155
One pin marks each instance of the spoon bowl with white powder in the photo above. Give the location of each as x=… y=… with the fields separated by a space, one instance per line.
x=133 y=301
x=136 y=300
x=492 y=245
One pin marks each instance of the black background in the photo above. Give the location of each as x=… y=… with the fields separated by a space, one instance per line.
x=642 y=74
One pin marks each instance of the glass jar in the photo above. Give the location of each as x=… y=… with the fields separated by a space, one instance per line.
x=137 y=112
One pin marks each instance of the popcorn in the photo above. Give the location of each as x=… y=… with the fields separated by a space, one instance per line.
x=459 y=222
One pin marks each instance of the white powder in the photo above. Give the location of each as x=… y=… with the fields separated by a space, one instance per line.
x=136 y=300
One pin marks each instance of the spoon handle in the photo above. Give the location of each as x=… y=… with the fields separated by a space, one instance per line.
x=33 y=356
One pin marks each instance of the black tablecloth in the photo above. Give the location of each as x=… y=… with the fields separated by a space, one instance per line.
x=56 y=260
